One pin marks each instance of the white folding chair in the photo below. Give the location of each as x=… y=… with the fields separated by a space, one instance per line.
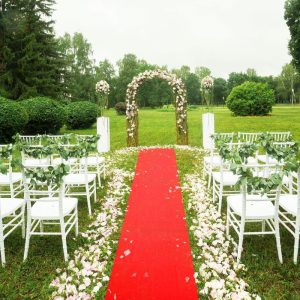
x=224 y=182
x=11 y=217
x=267 y=159
x=283 y=136
x=253 y=207
x=49 y=212
x=289 y=213
x=31 y=139
x=95 y=162
x=28 y=159
x=10 y=182
x=214 y=159
x=79 y=182
x=249 y=137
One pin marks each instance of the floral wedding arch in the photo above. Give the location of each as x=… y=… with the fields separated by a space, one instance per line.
x=180 y=105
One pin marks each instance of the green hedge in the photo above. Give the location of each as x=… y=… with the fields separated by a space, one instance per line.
x=81 y=114
x=13 y=119
x=120 y=108
x=45 y=115
x=251 y=99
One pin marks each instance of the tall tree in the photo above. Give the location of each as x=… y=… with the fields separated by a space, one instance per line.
x=287 y=82
x=192 y=86
x=30 y=61
x=81 y=66
x=106 y=71
x=220 y=91
x=292 y=18
x=202 y=72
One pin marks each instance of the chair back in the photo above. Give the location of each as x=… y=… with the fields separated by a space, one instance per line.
x=31 y=139
x=283 y=136
x=249 y=137
x=263 y=171
x=37 y=190
x=60 y=139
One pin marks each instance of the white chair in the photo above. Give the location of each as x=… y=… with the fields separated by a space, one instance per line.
x=289 y=214
x=11 y=217
x=80 y=179
x=248 y=137
x=253 y=208
x=267 y=159
x=214 y=159
x=10 y=182
x=31 y=139
x=224 y=182
x=59 y=139
x=29 y=160
x=283 y=136
x=51 y=212
x=95 y=162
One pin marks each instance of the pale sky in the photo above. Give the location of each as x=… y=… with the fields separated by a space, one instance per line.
x=224 y=35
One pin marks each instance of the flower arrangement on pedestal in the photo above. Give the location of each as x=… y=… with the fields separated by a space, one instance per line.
x=207 y=84
x=102 y=89
x=180 y=105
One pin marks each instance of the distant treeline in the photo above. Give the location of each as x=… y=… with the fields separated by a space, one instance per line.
x=34 y=62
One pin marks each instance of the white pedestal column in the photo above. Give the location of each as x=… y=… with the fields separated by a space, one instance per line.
x=208 y=129
x=103 y=129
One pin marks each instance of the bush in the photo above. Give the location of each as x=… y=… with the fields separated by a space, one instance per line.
x=45 y=115
x=120 y=108
x=13 y=119
x=81 y=114
x=251 y=99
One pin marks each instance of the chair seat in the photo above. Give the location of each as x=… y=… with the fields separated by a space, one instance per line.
x=50 y=210
x=35 y=162
x=79 y=178
x=213 y=160
x=263 y=158
x=251 y=161
x=9 y=206
x=229 y=179
x=260 y=208
x=289 y=203
x=57 y=161
x=93 y=160
x=4 y=178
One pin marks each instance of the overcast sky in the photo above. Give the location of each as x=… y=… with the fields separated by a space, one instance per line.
x=224 y=35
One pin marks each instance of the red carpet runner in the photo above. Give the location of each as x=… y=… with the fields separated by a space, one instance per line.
x=153 y=259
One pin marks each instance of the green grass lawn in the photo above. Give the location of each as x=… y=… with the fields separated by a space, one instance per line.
x=158 y=127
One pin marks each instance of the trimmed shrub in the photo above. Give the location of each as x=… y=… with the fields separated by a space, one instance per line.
x=45 y=115
x=81 y=114
x=120 y=108
x=13 y=119
x=251 y=99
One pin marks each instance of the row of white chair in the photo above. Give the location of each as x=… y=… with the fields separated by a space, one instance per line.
x=46 y=205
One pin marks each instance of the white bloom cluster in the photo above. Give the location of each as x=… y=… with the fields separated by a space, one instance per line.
x=218 y=268
x=207 y=83
x=102 y=87
x=177 y=87
x=87 y=272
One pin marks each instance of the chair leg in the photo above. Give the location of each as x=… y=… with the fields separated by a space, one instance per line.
x=228 y=221
x=28 y=229
x=76 y=222
x=98 y=175
x=241 y=238
x=23 y=222
x=88 y=198
x=296 y=244
x=95 y=191
x=220 y=198
x=2 y=250
x=214 y=191
x=64 y=239
x=277 y=235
